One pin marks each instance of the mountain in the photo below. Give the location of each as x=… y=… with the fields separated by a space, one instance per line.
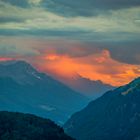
x=90 y=88
x=18 y=126
x=24 y=89
x=114 y=116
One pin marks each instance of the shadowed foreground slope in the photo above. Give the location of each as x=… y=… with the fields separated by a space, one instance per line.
x=114 y=116
x=18 y=126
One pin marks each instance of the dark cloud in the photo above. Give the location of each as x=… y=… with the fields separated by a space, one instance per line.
x=73 y=34
x=10 y=19
x=68 y=8
x=126 y=52
x=11 y=50
x=11 y=32
x=20 y=3
x=78 y=7
x=86 y=7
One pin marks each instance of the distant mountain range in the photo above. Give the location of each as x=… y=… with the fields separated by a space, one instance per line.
x=90 y=88
x=18 y=126
x=24 y=89
x=114 y=116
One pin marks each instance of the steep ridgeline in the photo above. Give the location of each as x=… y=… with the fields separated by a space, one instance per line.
x=18 y=126
x=24 y=89
x=91 y=89
x=114 y=116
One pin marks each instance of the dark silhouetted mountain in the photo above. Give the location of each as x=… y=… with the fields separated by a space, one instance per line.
x=18 y=126
x=24 y=89
x=114 y=116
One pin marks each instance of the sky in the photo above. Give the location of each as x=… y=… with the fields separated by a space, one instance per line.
x=96 y=39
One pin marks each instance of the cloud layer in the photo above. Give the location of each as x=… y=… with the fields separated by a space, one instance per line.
x=27 y=17
x=64 y=58
x=98 y=39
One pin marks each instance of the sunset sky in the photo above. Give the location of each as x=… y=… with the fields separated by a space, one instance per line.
x=97 y=39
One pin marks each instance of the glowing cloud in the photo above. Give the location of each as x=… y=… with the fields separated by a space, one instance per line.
x=62 y=58
x=6 y=59
x=98 y=66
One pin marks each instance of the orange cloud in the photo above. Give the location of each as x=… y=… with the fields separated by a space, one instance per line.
x=5 y=58
x=99 y=66
x=64 y=58
x=58 y=65
x=52 y=57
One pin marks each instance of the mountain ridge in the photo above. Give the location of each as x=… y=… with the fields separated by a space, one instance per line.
x=36 y=92
x=89 y=88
